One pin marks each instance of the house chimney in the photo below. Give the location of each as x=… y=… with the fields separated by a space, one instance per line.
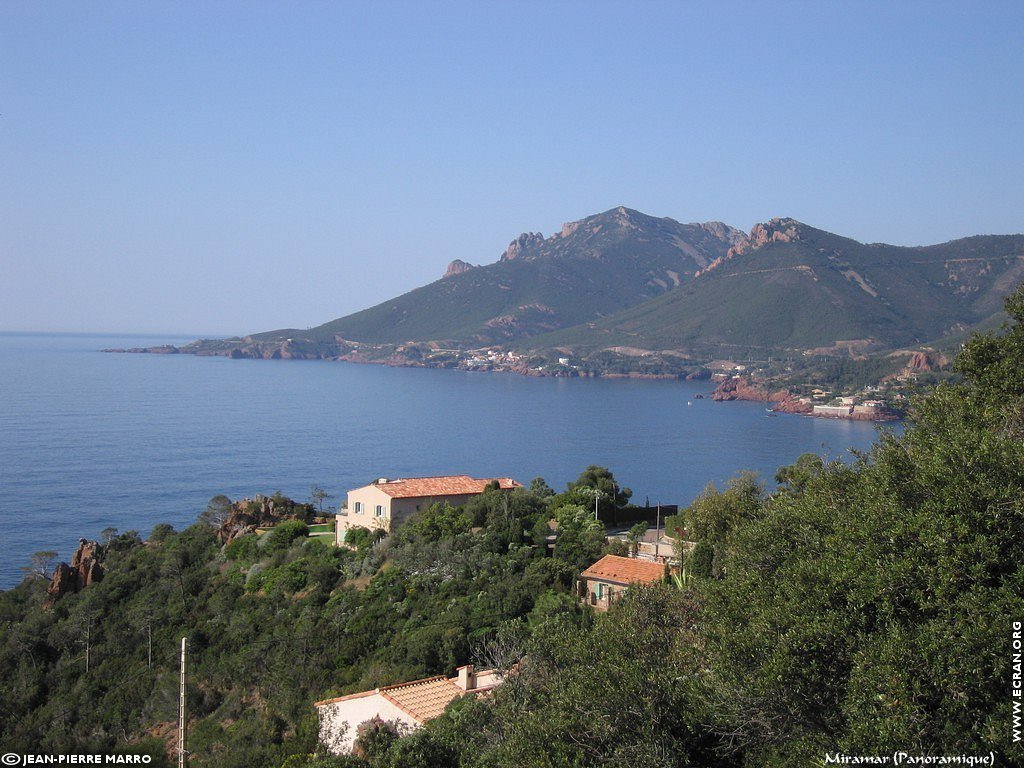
x=467 y=678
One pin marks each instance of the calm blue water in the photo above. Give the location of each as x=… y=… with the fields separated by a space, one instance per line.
x=91 y=440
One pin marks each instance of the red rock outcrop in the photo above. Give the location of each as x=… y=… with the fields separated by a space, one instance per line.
x=925 y=362
x=793 y=405
x=64 y=581
x=87 y=561
x=743 y=388
x=522 y=243
x=775 y=231
x=247 y=515
x=457 y=267
x=86 y=568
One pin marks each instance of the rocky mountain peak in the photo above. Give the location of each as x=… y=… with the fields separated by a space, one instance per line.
x=620 y=217
x=524 y=242
x=777 y=230
x=457 y=267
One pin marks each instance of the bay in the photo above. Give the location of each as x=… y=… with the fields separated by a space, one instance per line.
x=91 y=440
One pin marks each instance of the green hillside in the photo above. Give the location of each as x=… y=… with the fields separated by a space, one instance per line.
x=594 y=267
x=796 y=287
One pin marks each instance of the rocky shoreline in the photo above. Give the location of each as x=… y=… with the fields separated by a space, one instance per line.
x=784 y=401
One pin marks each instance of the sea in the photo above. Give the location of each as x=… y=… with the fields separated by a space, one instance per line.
x=92 y=440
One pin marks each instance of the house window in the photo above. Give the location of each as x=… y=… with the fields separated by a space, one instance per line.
x=359 y=507
x=379 y=512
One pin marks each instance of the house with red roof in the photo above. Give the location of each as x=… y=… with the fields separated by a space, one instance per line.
x=385 y=503
x=612 y=575
x=407 y=705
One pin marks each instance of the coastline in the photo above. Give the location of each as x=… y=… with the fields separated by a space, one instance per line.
x=737 y=387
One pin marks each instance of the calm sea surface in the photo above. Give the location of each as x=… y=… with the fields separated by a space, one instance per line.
x=91 y=440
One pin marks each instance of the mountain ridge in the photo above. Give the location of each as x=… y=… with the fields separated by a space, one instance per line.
x=624 y=280
x=543 y=284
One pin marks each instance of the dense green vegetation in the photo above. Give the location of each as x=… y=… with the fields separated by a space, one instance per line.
x=276 y=621
x=851 y=608
x=845 y=374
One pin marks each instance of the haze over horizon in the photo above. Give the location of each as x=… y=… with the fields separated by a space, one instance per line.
x=238 y=167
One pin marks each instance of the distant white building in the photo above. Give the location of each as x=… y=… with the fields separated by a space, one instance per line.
x=833 y=410
x=869 y=407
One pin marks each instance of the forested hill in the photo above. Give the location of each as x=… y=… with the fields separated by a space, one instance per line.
x=855 y=609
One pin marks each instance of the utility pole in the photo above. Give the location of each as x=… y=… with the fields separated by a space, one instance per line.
x=657 y=533
x=181 y=708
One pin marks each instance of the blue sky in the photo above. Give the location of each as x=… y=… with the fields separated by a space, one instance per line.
x=229 y=167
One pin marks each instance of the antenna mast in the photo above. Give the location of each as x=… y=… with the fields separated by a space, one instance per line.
x=182 y=753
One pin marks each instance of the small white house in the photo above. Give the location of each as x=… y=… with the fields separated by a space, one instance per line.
x=409 y=705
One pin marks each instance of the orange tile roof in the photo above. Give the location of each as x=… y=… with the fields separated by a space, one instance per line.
x=336 y=699
x=423 y=699
x=453 y=485
x=625 y=570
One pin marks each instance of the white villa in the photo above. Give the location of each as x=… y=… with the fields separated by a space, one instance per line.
x=386 y=503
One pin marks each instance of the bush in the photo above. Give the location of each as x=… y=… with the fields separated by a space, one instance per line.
x=701 y=559
x=358 y=537
x=281 y=537
x=244 y=549
x=288 y=578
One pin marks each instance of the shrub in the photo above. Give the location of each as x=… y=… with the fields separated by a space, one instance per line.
x=284 y=534
x=243 y=549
